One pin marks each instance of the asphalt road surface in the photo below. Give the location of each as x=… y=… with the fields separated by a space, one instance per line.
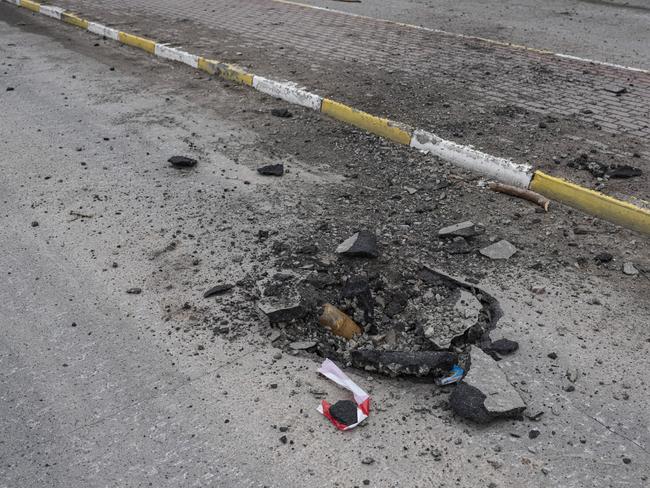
x=161 y=387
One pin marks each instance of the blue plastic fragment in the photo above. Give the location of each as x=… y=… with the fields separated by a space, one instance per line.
x=456 y=374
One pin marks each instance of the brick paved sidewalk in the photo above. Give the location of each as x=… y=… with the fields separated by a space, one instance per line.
x=490 y=73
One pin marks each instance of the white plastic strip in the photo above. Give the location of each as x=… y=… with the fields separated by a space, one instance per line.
x=102 y=30
x=15 y=2
x=503 y=170
x=177 y=55
x=50 y=11
x=288 y=92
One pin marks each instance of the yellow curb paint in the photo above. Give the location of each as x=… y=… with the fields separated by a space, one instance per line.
x=72 y=19
x=207 y=65
x=376 y=125
x=29 y=5
x=139 y=42
x=227 y=71
x=592 y=202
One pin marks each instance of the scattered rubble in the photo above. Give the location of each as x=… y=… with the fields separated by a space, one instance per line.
x=271 y=170
x=397 y=363
x=485 y=393
x=182 y=162
x=499 y=250
x=361 y=244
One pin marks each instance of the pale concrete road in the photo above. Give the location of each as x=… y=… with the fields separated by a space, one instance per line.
x=101 y=388
x=614 y=31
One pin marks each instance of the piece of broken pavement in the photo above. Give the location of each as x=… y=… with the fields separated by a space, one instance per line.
x=485 y=393
x=361 y=244
x=499 y=250
x=462 y=229
x=341 y=408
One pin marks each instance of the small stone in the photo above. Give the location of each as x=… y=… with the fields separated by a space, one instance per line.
x=182 y=162
x=499 y=250
x=462 y=229
x=503 y=346
x=367 y=460
x=134 y=291
x=361 y=244
x=302 y=345
x=533 y=434
x=281 y=112
x=283 y=429
x=569 y=388
x=274 y=335
x=34 y=223
x=283 y=439
x=538 y=290
x=218 y=289
x=552 y=355
x=627 y=460
x=271 y=170
x=10 y=88
x=277 y=356
x=629 y=269
x=603 y=257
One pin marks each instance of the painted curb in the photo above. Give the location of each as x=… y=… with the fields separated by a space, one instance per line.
x=592 y=202
x=466 y=157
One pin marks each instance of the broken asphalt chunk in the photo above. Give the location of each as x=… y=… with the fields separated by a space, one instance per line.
x=462 y=229
x=485 y=393
x=281 y=112
x=502 y=347
x=499 y=250
x=396 y=363
x=624 y=171
x=182 y=162
x=217 y=290
x=361 y=244
x=271 y=170
x=281 y=309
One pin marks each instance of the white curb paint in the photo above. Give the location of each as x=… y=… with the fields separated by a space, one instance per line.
x=54 y=12
x=288 y=92
x=102 y=30
x=503 y=170
x=177 y=55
